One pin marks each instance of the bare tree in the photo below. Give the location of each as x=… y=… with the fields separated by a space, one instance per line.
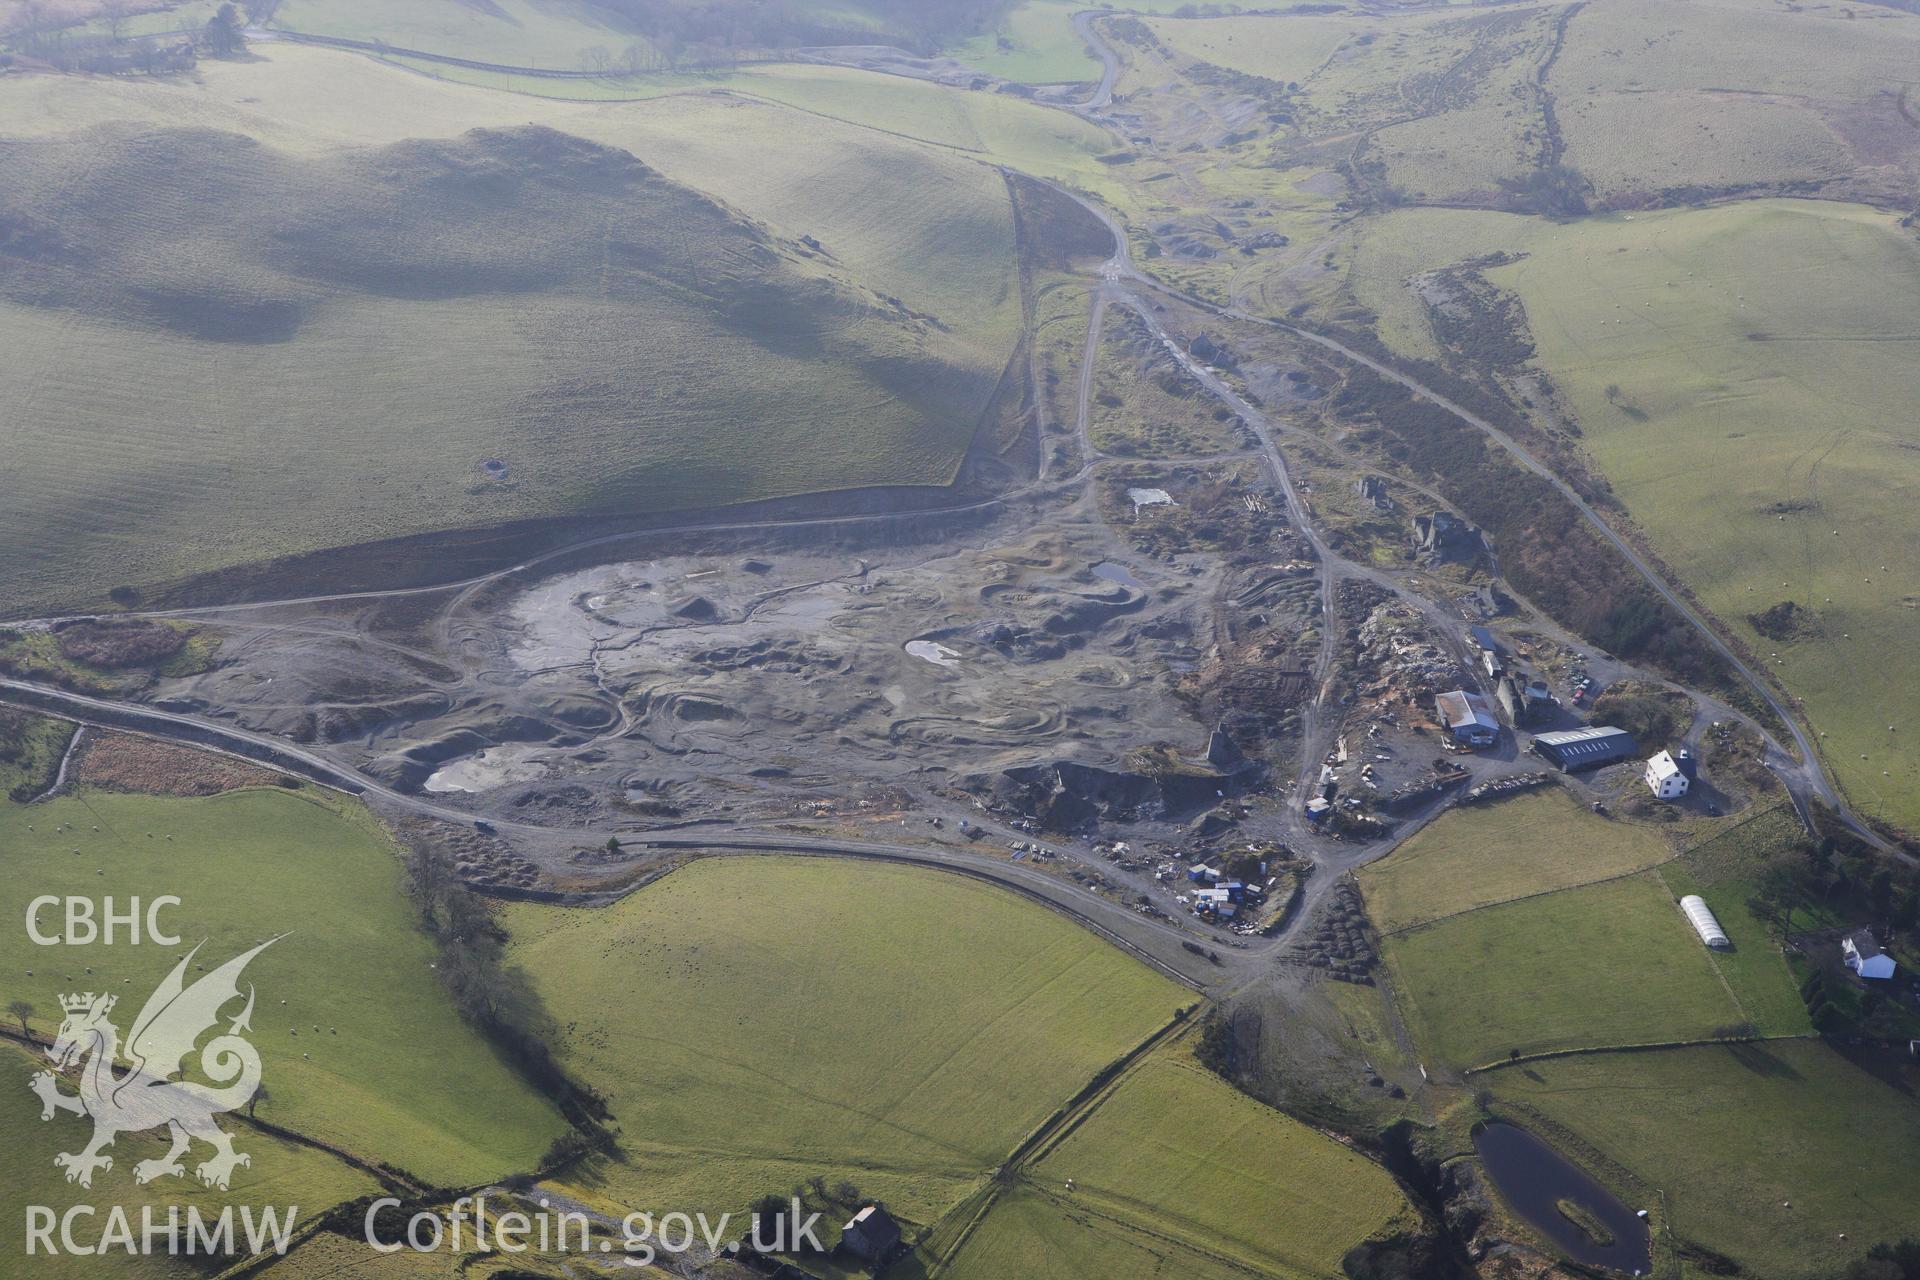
x=21 y=1010
x=116 y=13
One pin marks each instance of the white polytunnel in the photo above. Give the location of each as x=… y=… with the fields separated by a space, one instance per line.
x=1704 y=923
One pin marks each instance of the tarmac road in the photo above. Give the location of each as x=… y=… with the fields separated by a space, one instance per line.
x=1156 y=942
x=1102 y=96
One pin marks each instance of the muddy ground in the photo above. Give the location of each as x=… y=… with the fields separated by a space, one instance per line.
x=908 y=665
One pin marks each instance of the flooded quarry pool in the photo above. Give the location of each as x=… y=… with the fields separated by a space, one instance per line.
x=1534 y=1180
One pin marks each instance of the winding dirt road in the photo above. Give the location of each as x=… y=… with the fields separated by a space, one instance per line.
x=1801 y=770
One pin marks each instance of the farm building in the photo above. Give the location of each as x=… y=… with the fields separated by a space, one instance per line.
x=1586 y=748
x=1863 y=955
x=1524 y=700
x=1665 y=778
x=1703 y=921
x=871 y=1234
x=1467 y=717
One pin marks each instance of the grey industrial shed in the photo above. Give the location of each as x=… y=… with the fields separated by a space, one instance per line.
x=1586 y=748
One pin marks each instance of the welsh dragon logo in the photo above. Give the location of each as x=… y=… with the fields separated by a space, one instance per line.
x=146 y=1096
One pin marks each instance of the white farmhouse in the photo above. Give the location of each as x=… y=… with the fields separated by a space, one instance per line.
x=1861 y=950
x=1665 y=778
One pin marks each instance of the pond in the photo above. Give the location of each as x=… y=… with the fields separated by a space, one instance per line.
x=933 y=651
x=1534 y=1179
x=1114 y=572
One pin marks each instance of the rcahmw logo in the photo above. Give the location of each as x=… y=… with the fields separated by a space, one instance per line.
x=133 y=1087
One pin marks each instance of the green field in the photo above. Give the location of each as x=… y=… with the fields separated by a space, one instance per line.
x=1754 y=968
x=611 y=372
x=1040 y=1233
x=1607 y=964
x=1037 y=44
x=1179 y=1152
x=754 y=1022
x=283 y=1175
x=1731 y=1136
x=392 y=1074
x=1482 y=854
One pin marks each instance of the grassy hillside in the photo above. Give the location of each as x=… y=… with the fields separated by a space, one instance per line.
x=348 y=337
x=1483 y=854
x=1435 y=105
x=584 y=34
x=923 y=224
x=1643 y=101
x=552 y=34
x=786 y=1018
x=1734 y=1136
x=993 y=127
x=1771 y=345
x=250 y=865
x=1729 y=93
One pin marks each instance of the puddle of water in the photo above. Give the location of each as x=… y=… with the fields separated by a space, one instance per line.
x=491 y=768
x=1533 y=1178
x=1149 y=498
x=1113 y=572
x=935 y=652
